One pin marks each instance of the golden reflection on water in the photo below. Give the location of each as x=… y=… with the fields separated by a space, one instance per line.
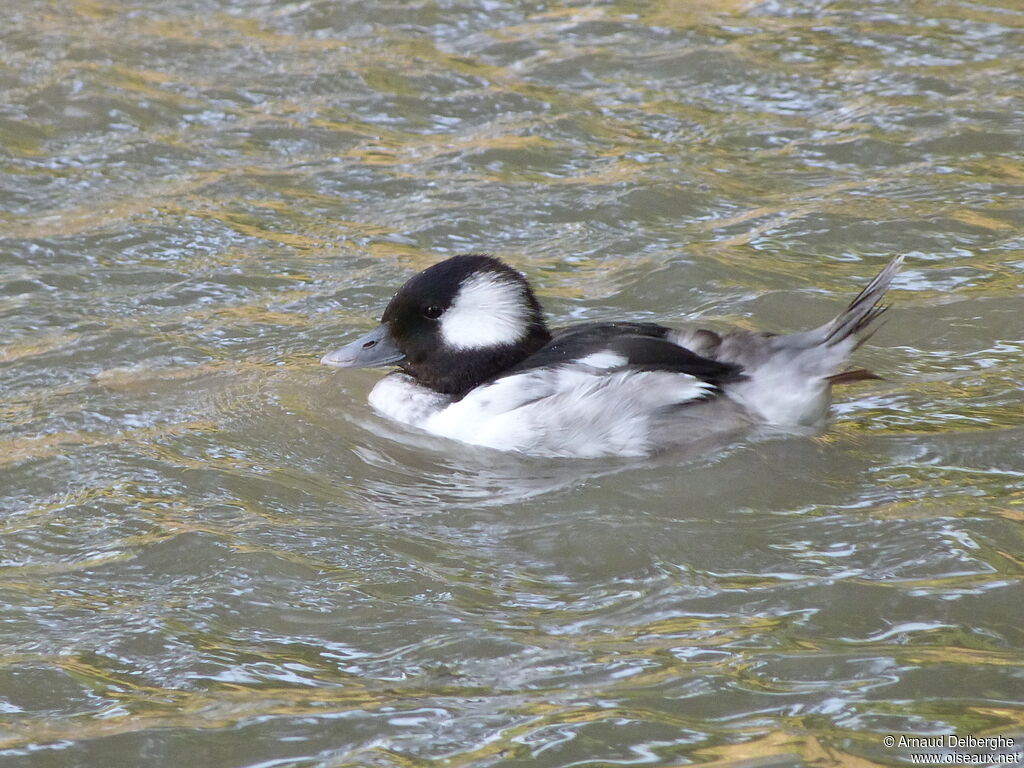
x=213 y=210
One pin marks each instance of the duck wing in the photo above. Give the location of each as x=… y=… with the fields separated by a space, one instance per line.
x=617 y=347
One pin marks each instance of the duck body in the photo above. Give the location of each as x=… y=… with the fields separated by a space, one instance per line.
x=478 y=364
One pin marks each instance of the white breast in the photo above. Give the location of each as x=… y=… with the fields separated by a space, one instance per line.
x=399 y=397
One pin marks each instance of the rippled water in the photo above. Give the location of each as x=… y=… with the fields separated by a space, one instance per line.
x=213 y=554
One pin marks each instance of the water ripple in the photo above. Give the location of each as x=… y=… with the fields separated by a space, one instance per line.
x=213 y=552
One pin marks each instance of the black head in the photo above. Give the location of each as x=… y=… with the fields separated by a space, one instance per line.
x=464 y=320
x=454 y=325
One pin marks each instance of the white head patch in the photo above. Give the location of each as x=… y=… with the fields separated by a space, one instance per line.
x=489 y=310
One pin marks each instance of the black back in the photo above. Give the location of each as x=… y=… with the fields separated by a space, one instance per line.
x=644 y=345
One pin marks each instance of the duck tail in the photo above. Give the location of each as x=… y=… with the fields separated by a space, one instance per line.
x=848 y=377
x=790 y=377
x=855 y=322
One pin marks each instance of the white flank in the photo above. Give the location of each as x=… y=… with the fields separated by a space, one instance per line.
x=488 y=311
x=567 y=410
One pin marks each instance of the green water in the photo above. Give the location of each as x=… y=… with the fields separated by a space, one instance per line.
x=213 y=554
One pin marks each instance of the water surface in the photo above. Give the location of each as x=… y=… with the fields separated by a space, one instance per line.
x=213 y=554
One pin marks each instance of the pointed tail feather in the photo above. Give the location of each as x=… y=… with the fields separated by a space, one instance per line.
x=857 y=318
x=857 y=374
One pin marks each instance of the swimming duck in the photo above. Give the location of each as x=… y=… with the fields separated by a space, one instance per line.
x=477 y=363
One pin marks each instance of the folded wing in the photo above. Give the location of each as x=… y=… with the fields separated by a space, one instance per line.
x=596 y=389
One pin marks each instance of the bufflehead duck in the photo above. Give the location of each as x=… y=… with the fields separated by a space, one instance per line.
x=478 y=364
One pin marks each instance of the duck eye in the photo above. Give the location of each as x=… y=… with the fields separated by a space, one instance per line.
x=433 y=312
